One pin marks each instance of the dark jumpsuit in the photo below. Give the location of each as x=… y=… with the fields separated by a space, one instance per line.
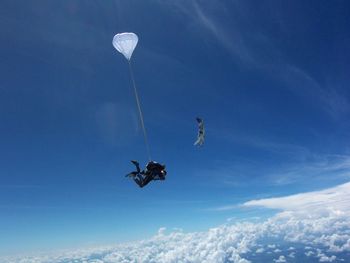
x=154 y=171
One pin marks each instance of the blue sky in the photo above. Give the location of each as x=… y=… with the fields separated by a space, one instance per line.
x=269 y=79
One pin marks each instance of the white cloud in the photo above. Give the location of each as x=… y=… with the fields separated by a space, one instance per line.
x=328 y=234
x=324 y=258
x=280 y=259
x=309 y=253
x=307 y=248
x=336 y=200
x=259 y=250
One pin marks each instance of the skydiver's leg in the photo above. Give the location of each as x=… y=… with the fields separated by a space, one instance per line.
x=147 y=179
x=139 y=180
x=137 y=165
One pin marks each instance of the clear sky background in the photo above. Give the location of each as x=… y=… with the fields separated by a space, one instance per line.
x=269 y=78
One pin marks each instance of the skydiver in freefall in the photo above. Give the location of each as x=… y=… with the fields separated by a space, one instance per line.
x=153 y=171
x=201 y=132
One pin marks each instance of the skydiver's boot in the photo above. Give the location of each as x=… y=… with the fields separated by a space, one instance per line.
x=137 y=165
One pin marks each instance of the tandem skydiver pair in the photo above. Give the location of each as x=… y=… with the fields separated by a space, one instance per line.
x=153 y=171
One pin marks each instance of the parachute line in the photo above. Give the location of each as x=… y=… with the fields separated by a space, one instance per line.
x=140 y=111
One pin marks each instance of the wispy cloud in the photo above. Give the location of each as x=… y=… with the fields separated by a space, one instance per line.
x=224 y=208
x=255 y=141
x=114 y=125
x=235 y=31
x=301 y=83
x=232 y=42
x=316 y=166
x=288 y=165
x=328 y=168
x=336 y=199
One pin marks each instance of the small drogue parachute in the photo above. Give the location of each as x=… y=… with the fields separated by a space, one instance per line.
x=201 y=132
x=125 y=43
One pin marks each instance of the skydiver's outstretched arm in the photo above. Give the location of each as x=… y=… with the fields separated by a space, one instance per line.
x=132 y=174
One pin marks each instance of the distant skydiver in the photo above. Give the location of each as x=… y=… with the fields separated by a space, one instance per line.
x=153 y=171
x=201 y=132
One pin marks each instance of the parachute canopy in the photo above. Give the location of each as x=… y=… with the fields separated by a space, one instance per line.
x=125 y=43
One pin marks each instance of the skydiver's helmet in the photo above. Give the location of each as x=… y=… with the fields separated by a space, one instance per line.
x=157 y=169
x=162 y=174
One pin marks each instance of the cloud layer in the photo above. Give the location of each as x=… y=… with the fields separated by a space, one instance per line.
x=313 y=227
